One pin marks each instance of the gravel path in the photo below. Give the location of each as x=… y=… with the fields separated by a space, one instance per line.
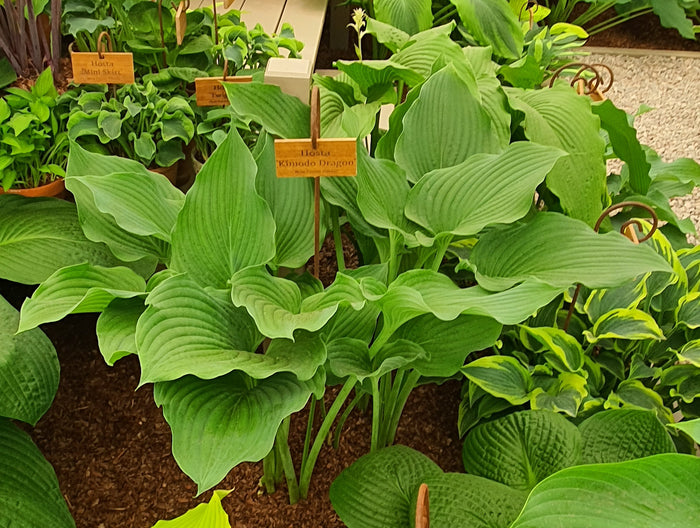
x=670 y=85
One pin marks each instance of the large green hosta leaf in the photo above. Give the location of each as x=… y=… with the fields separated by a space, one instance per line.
x=79 y=289
x=265 y=103
x=29 y=370
x=377 y=490
x=446 y=125
x=662 y=490
x=90 y=177
x=277 y=306
x=219 y=423
x=423 y=50
x=350 y=357
x=116 y=328
x=39 y=236
x=291 y=201
x=29 y=493
x=225 y=225
x=523 y=448
x=672 y=15
x=485 y=189
x=560 y=118
x=492 y=23
x=623 y=434
x=411 y=16
x=559 y=251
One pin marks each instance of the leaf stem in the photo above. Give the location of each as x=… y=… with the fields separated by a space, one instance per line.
x=442 y=245
x=337 y=238
x=376 y=414
x=285 y=456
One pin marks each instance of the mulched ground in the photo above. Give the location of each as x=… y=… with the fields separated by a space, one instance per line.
x=110 y=445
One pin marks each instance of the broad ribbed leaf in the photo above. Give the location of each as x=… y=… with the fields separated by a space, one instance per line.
x=392 y=37
x=445 y=126
x=225 y=225
x=29 y=369
x=350 y=357
x=291 y=201
x=625 y=434
x=485 y=189
x=100 y=225
x=187 y=329
x=29 y=493
x=558 y=117
x=492 y=23
x=447 y=343
x=377 y=491
x=217 y=424
x=623 y=138
x=418 y=292
x=522 y=449
x=646 y=493
x=39 y=236
x=339 y=120
x=423 y=50
x=277 y=307
x=625 y=324
x=411 y=16
x=265 y=103
x=559 y=251
x=561 y=350
x=116 y=329
x=457 y=499
x=78 y=289
x=500 y=376
x=208 y=515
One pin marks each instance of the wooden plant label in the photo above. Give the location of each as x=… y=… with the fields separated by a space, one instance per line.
x=180 y=22
x=296 y=158
x=423 y=507
x=227 y=3
x=210 y=92
x=103 y=68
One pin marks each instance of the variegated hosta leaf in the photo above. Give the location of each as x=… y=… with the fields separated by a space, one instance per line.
x=219 y=423
x=625 y=324
x=350 y=357
x=108 y=220
x=559 y=251
x=522 y=448
x=688 y=311
x=561 y=350
x=558 y=117
x=690 y=353
x=492 y=24
x=291 y=201
x=633 y=493
x=116 y=329
x=444 y=126
x=225 y=225
x=39 y=236
x=207 y=515
x=187 y=329
x=447 y=343
x=377 y=490
x=632 y=394
x=265 y=103
x=277 y=307
x=29 y=370
x=627 y=296
x=411 y=16
x=485 y=189
x=419 y=292
x=623 y=434
x=82 y=288
x=501 y=376
x=29 y=492
x=566 y=395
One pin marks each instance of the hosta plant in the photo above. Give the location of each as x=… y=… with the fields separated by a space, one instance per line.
x=532 y=468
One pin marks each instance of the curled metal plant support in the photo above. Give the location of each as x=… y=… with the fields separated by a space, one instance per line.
x=623 y=229
x=588 y=76
x=532 y=6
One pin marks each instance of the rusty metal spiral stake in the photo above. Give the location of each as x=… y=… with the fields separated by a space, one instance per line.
x=532 y=6
x=596 y=83
x=605 y=214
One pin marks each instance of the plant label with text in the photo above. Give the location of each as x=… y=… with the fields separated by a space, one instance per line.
x=296 y=158
x=210 y=92
x=102 y=68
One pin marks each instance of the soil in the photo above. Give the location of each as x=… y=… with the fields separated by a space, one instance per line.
x=110 y=445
